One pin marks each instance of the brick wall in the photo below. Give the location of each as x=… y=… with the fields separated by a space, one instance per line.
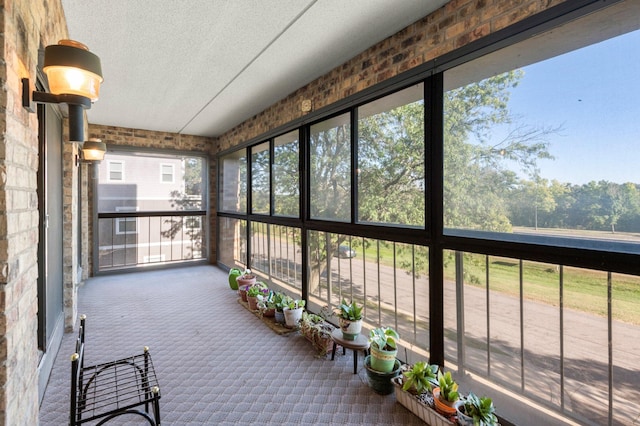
x=26 y=25
x=114 y=136
x=454 y=25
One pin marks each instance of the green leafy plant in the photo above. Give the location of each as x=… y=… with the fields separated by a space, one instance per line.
x=384 y=338
x=481 y=410
x=295 y=303
x=420 y=378
x=448 y=387
x=349 y=311
x=280 y=301
x=257 y=289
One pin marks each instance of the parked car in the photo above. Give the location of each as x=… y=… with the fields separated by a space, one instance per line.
x=346 y=252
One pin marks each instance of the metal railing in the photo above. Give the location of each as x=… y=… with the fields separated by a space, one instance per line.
x=134 y=239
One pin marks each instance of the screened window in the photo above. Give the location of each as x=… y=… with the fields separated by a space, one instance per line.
x=391 y=166
x=286 y=176
x=233 y=182
x=115 y=171
x=330 y=169
x=547 y=147
x=260 y=177
x=166 y=173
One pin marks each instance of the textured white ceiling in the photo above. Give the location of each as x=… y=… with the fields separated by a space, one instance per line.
x=201 y=67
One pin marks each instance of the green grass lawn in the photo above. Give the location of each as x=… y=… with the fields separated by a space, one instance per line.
x=584 y=290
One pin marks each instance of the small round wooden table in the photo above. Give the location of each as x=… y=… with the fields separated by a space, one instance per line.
x=361 y=343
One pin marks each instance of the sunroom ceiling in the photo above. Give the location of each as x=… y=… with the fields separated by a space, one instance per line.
x=201 y=67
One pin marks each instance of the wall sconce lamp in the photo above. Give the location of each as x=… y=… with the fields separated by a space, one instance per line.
x=74 y=75
x=91 y=152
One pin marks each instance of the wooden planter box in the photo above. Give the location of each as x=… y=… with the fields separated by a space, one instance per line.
x=429 y=415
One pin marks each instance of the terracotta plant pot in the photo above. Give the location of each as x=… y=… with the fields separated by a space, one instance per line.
x=268 y=312
x=444 y=407
x=242 y=291
x=248 y=280
x=253 y=302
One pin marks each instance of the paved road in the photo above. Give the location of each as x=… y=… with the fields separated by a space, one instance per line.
x=585 y=345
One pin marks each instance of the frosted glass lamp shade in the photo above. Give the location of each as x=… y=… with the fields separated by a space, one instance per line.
x=72 y=69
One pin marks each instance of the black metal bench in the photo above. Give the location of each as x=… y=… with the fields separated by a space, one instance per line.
x=112 y=389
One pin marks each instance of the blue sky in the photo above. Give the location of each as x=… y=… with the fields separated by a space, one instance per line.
x=594 y=95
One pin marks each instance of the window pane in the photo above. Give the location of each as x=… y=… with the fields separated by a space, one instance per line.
x=260 y=177
x=182 y=178
x=233 y=182
x=330 y=169
x=286 y=177
x=116 y=170
x=166 y=173
x=232 y=237
x=548 y=147
x=391 y=186
x=388 y=279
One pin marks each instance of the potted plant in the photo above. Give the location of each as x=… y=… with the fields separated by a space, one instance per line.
x=384 y=348
x=315 y=329
x=246 y=279
x=253 y=292
x=266 y=304
x=420 y=378
x=280 y=301
x=380 y=381
x=446 y=394
x=349 y=319
x=474 y=411
x=293 y=312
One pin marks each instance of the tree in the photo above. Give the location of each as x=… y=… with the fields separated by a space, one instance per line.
x=477 y=177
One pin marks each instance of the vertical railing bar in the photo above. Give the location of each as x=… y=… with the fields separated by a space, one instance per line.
x=610 y=343
x=522 y=378
x=269 y=258
x=395 y=286
x=459 y=261
x=413 y=269
x=364 y=279
x=113 y=239
x=561 y=303
x=379 y=294
x=487 y=275
x=124 y=257
x=350 y=269
x=149 y=240
x=281 y=262
x=327 y=248
x=339 y=270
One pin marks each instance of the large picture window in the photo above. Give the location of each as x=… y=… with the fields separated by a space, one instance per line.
x=260 y=177
x=330 y=169
x=391 y=159
x=286 y=176
x=546 y=147
x=232 y=193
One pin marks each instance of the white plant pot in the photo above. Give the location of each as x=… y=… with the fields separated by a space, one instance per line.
x=350 y=329
x=292 y=316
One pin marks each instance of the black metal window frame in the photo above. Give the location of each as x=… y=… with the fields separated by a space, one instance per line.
x=203 y=213
x=610 y=257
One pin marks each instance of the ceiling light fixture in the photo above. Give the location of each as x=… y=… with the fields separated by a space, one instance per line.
x=74 y=75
